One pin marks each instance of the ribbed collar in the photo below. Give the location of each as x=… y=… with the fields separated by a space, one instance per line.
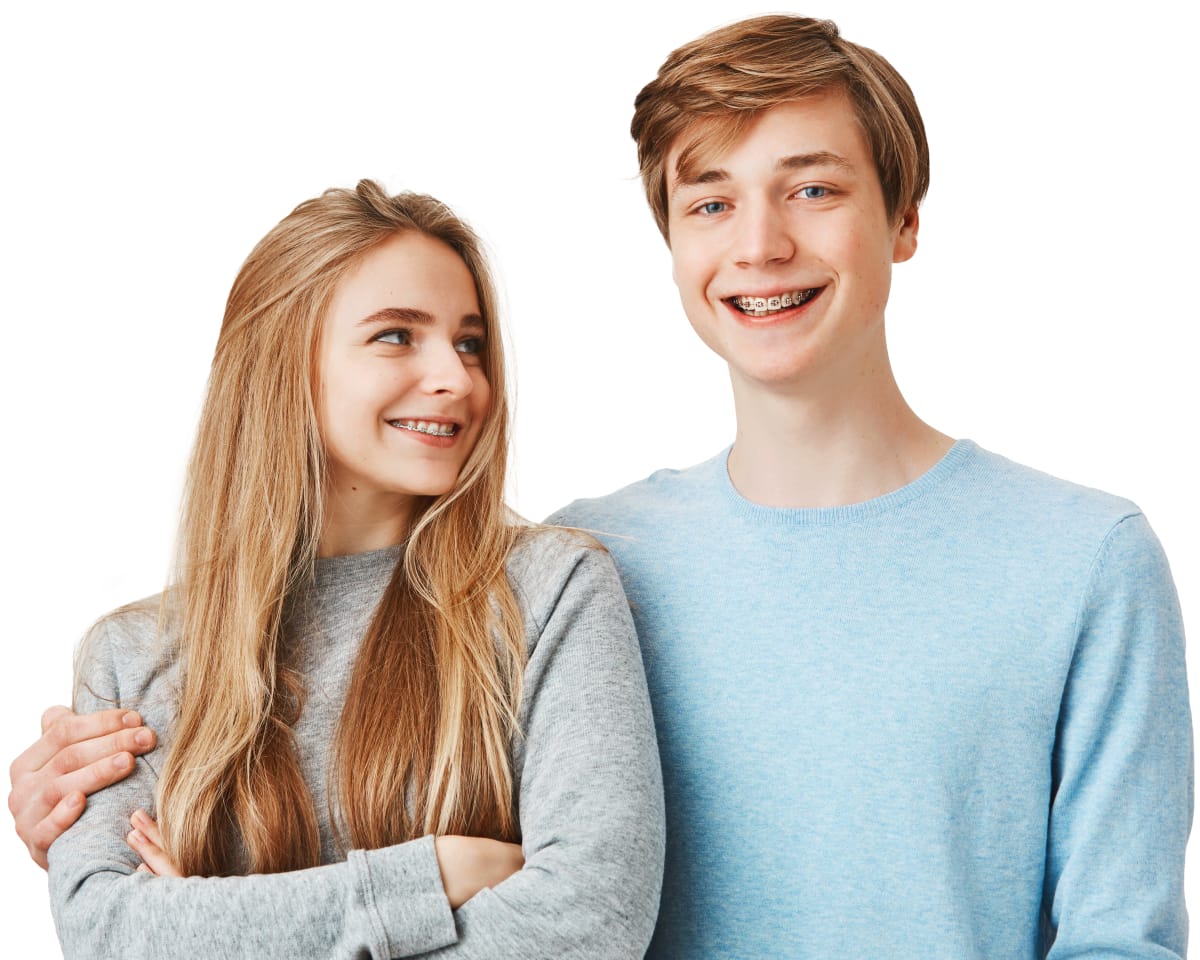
x=924 y=485
x=335 y=572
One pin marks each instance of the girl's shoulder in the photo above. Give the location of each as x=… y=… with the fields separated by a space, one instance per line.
x=128 y=658
x=548 y=562
x=542 y=552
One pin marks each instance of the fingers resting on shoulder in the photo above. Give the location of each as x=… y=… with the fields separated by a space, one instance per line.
x=145 y=840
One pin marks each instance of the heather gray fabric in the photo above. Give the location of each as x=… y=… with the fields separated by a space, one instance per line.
x=587 y=782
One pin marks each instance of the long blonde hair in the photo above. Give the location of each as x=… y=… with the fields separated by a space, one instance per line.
x=424 y=736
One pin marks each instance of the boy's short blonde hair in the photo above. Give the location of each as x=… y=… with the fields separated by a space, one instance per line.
x=710 y=90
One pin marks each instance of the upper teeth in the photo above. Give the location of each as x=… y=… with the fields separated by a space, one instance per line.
x=427 y=426
x=761 y=306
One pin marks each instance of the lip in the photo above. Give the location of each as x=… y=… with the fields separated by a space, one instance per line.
x=774 y=319
x=427 y=438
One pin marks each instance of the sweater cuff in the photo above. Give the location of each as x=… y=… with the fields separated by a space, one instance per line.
x=402 y=891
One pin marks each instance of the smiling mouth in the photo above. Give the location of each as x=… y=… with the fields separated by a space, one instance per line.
x=765 y=306
x=428 y=427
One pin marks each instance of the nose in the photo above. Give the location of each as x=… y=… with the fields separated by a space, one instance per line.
x=444 y=371
x=762 y=236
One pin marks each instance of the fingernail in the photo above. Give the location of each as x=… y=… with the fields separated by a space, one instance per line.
x=143 y=738
x=122 y=761
x=131 y=719
x=136 y=836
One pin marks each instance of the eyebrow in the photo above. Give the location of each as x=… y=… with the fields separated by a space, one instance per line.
x=798 y=161
x=822 y=158
x=419 y=318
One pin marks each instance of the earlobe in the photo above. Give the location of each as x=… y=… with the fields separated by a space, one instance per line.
x=905 y=244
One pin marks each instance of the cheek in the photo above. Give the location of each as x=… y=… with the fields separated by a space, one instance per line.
x=353 y=400
x=481 y=394
x=687 y=270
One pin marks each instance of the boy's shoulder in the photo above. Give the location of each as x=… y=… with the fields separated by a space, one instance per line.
x=1011 y=489
x=971 y=484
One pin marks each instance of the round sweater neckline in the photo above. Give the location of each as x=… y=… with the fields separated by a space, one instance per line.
x=935 y=476
x=333 y=571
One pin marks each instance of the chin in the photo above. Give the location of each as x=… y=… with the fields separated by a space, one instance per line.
x=435 y=487
x=773 y=370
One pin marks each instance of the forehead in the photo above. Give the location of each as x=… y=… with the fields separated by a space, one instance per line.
x=408 y=269
x=722 y=147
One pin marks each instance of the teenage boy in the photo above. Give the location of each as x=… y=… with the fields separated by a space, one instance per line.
x=913 y=700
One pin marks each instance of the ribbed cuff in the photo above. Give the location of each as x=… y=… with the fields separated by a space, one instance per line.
x=402 y=889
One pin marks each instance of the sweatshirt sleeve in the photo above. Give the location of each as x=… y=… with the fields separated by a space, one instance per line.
x=589 y=796
x=379 y=903
x=591 y=804
x=1122 y=806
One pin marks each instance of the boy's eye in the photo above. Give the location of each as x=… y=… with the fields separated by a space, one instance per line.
x=398 y=337
x=813 y=193
x=712 y=208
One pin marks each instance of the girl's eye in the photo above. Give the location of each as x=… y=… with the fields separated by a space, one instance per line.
x=814 y=193
x=398 y=337
x=471 y=345
x=712 y=208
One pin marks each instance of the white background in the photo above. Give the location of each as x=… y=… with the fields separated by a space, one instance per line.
x=1049 y=313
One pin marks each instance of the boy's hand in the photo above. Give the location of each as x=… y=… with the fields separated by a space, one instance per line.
x=75 y=756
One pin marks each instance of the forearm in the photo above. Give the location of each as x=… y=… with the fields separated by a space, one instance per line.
x=561 y=906
x=380 y=903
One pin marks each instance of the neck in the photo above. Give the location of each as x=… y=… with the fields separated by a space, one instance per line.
x=829 y=445
x=358 y=522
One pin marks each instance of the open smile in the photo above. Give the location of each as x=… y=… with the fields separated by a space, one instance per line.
x=753 y=306
x=431 y=428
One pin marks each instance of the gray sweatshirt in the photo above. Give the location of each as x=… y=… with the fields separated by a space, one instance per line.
x=586 y=779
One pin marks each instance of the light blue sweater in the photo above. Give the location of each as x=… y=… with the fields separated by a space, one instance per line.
x=951 y=722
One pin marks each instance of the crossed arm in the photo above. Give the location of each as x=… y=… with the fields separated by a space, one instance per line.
x=590 y=807
x=79 y=754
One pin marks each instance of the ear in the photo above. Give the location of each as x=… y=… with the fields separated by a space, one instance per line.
x=905 y=244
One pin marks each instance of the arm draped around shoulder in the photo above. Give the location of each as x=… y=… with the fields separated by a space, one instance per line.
x=1123 y=778
x=590 y=809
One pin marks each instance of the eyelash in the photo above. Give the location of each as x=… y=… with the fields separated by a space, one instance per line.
x=471 y=346
x=701 y=210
